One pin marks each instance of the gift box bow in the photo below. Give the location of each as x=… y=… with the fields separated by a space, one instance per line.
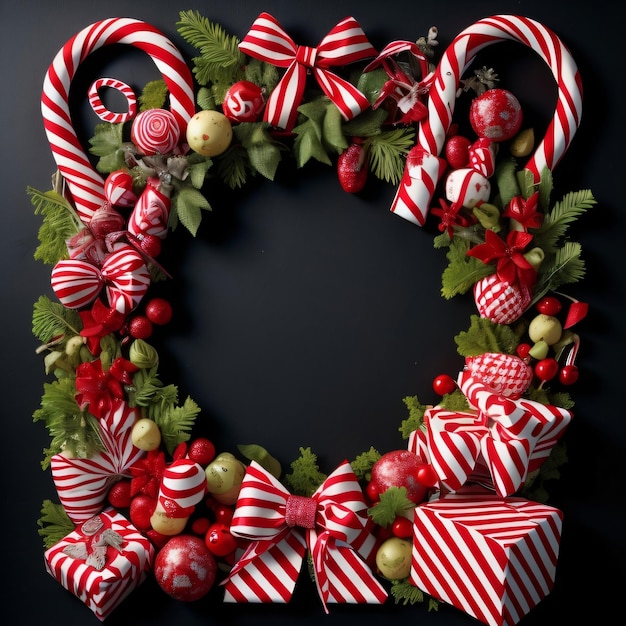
x=507 y=438
x=332 y=525
x=346 y=43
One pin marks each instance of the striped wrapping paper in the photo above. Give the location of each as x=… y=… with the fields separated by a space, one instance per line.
x=103 y=590
x=492 y=557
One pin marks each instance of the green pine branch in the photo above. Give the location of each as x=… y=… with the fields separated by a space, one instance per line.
x=52 y=320
x=387 y=152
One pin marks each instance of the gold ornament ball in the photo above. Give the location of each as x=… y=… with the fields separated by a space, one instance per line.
x=393 y=558
x=209 y=133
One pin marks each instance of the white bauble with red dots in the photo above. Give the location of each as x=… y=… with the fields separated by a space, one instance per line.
x=209 y=133
x=467 y=187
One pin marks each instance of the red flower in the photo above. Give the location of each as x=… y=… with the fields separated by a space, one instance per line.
x=97 y=390
x=525 y=211
x=99 y=322
x=147 y=474
x=450 y=216
x=511 y=266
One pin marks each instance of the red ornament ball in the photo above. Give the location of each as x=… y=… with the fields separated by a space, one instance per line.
x=159 y=311
x=399 y=468
x=219 y=541
x=201 y=451
x=141 y=509
x=243 y=102
x=119 y=494
x=457 y=151
x=185 y=568
x=496 y=114
x=140 y=327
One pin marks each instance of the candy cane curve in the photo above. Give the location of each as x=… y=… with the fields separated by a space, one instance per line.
x=424 y=167
x=84 y=182
x=100 y=109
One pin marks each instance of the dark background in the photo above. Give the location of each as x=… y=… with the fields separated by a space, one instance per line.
x=304 y=315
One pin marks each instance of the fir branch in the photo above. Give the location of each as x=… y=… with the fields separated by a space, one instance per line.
x=60 y=223
x=567 y=267
x=176 y=422
x=305 y=476
x=386 y=153
x=54 y=523
x=557 y=221
x=393 y=502
x=233 y=167
x=362 y=464
x=52 y=319
x=406 y=593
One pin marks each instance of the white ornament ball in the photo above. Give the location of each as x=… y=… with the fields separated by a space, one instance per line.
x=468 y=187
x=146 y=434
x=209 y=133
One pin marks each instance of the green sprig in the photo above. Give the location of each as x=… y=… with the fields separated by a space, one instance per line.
x=392 y=502
x=305 y=476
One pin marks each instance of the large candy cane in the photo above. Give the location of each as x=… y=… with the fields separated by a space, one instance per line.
x=424 y=167
x=84 y=182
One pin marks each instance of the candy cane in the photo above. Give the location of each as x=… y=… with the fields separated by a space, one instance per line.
x=84 y=182
x=424 y=167
x=98 y=106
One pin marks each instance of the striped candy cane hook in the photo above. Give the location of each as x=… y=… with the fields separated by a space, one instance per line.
x=84 y=182
x=424 y=167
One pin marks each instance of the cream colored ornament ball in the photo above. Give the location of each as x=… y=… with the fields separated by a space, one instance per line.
x=209 y=133
x=393 y=558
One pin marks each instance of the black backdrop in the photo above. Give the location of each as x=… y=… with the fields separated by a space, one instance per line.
x=304 y=315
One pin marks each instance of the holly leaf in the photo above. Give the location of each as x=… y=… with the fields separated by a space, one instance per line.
x=106 y=143
x=393 y=502
x=483 y=335
x=54 y=523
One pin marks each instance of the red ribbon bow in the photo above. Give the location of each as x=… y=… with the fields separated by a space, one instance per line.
x=346 y=43
x=500 y=443
x=335 y=532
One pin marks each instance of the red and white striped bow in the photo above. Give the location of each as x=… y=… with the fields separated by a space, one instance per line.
x=501 y=442
x=346 y=43
x=336 y=532
x=124 y=273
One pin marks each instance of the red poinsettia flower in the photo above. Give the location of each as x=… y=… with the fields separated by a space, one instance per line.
x=97 y=390
x=98 y=322
x=450 y=216
x=147 y=474
x=511 y=265
x=525 y=211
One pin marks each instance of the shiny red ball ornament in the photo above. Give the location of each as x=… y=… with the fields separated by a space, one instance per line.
x=402 y=527
x=159 y=311
x=546 y=369
x=549 y=305
x=569 y=375
x=140 y=327
x=444 y=384
x=201 y=451
x=219 y=541
x=496 y=114
x=243 y=102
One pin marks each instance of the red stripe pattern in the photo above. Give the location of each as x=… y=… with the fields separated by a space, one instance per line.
x=84 y=182
x=504 y=438
x=100 y=109
x=103 y=590
x=412 y=201
x=339 y=541
x=346 y=43
x=494 y=558
x=124 y=274
x=82 y=484
x=183 y=484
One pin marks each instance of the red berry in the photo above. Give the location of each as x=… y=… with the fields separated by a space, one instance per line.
x=159 y=311
x=444 y=384
x=202 y=451
x=372 y=492
x=523 y=350
x=150 y=244
x=141 y=510
x=200 y=526
x=219 y=541
x=547 y=368
x=223 y=513
x=569 y=375
x=402 y=527
x=496 y=114
x=119 y=494
x=140 y=327
x=549 y=305
x=427 y=476
x=352 y=168
x=457 y=151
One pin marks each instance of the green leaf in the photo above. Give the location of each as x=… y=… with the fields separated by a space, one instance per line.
x=198 y=171
x=233 y=166
x=371 y=83
x=305 y=476
x=176 y=422
x=483 y=336
x=308 y=144
x=54 y=523
x=506 y=180
x=52 y=319
x=362 y=464
x=565 y=267
x=416 y=416
x=463 y=271
x=255 y=452
x=60 y=223
x=332 y=130
x=406 y=593
x=187 y=206
x=106 y=143
x=367 y=124
x=387 y=151
x=153 y=95
x=263 y=152
x=260 y=73
x=393 y=502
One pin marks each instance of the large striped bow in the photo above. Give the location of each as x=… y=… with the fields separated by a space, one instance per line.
x=124 y=274
x=501 y=442
x=346 y=43
x=333 y=526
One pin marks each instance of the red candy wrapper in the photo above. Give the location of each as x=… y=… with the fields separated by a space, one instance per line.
x=492 y=557
x=102 y=561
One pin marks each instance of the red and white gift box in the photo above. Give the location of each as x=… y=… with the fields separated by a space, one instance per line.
x=102 y=590
x=493 y=557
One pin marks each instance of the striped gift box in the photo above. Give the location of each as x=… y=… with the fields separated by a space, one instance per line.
x=492 y=557
x=102 y=590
